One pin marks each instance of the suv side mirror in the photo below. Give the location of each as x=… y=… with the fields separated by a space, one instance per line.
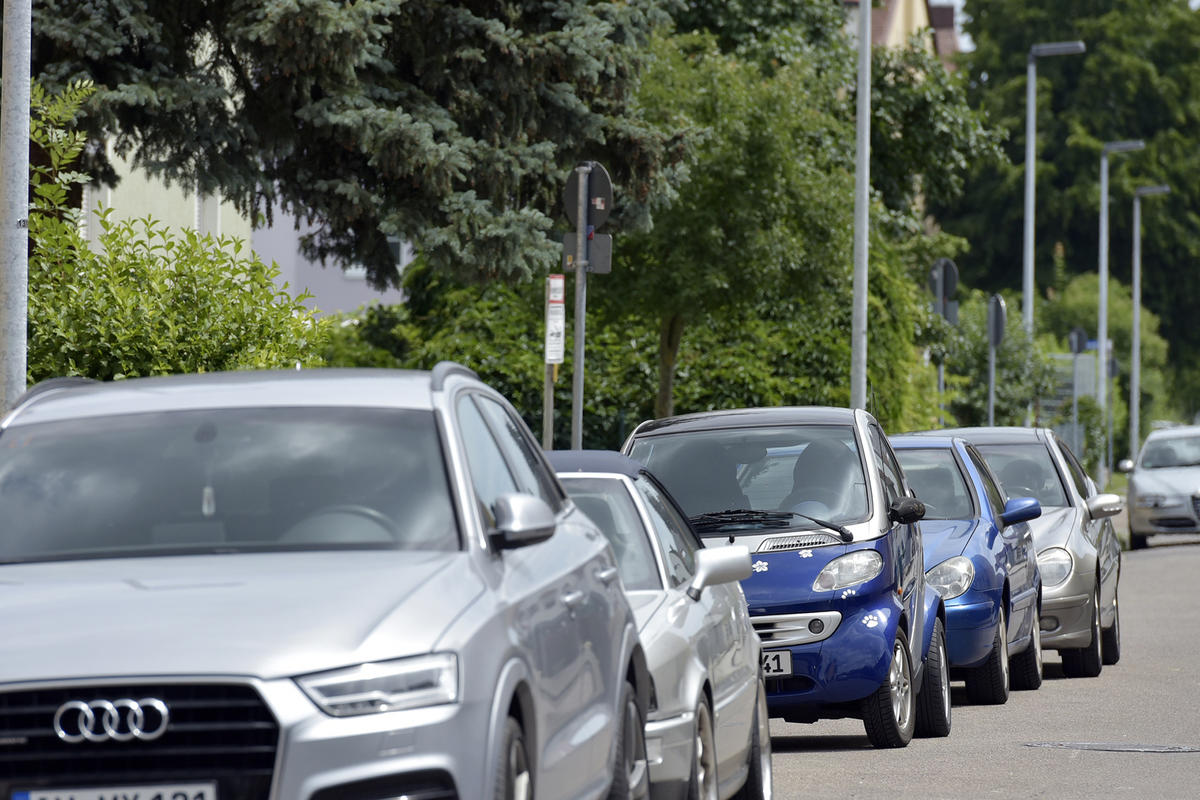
x=717 y=565
x=906 y=510
x=1125 y=465
x=522 y=519
x=1105 y=505
x=1021 y=509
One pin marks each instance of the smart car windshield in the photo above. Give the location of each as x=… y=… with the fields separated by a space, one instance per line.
x=224 y=480
x=1026 y=470
x=1176 y=451
x=936 y=478
x=813 y=470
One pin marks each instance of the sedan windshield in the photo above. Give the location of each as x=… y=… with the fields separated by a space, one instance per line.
x=935 y=477
x=608 y=503
x=224 y=480
x=1174 y=452
x=1026 y=470
x=812 y=470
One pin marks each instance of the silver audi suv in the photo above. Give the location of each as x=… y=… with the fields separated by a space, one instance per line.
x=304 y=586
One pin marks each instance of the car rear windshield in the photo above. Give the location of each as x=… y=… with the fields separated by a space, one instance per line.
x=1026 y=470
x=815 y=470
x=1177 y=451
x=936 y=478
x=608 y=503
x=224 y=480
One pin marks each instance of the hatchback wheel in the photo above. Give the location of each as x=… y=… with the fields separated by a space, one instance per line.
x=1027 y=665
x=933 y=702
x=889 y=713
x=1086 y=662
x=988 y=684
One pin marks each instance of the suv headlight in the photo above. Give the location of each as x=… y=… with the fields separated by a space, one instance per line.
x=1055 y=564
x=848 y=570
x=379 y=686
x=952 y=577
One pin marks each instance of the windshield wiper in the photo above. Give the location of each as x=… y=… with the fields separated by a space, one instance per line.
x=840 y=530
x=716 y=520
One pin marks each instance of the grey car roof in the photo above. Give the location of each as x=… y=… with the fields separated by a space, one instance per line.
x=993 y=435
x=564 y=461
x=912 y=440
x=381 y=388
x=1175 y=432
x=747 y=417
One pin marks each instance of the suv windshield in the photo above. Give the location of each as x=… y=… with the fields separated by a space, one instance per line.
x=224 y=480
x=1178 y=451
x=815 y=470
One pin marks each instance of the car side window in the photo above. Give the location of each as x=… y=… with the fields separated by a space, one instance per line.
x=1078 y=476
x=674 y=535
x=490 y=475
x=526 y=464
x=889 y=470
x=995 y=498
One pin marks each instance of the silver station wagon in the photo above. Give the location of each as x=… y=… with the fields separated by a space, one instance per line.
x=304 y=586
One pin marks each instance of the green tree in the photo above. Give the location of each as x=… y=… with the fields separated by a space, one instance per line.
x=451 y=124
x=147 y=301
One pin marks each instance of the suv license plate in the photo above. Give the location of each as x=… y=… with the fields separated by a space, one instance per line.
x=173 y=791
x=776 y=663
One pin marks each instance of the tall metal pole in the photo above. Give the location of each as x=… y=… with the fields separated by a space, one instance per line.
x=1027 y=290
x=583 y=171
x=1135 y=355
x=14 y=205
x=862 y=212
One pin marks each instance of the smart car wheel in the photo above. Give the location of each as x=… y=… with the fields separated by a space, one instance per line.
x=889 y=713
x=512 y=771
x=933 y=701
x=988 y=684
x=1111 y=640
x=1027 y=665
x=703 y=782
x=1086 y=662
x=631 y=778
x=759 y=783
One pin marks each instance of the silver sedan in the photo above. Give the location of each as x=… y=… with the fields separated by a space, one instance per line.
x=707 y=732
x=1164 y=485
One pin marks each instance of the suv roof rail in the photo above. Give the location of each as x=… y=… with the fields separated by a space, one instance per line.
x=49 y=384
x=444 y=369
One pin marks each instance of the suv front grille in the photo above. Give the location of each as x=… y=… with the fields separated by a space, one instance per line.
x=221 y=732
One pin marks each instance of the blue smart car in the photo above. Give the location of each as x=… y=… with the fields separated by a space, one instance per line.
x=979 y=555
x=838 y=592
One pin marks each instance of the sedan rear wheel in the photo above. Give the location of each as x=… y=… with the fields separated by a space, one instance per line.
x=988 y=684
x=1086 y=662
x=889 y=713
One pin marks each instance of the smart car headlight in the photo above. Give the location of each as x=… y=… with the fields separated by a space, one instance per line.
x=379 y=686
x=952 y=577
x=1055 y=564
x=853 y=568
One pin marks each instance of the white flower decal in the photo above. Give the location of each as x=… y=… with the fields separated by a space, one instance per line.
x=761 y=566
x=849 y=593
x=871 y=621
x=806 y=553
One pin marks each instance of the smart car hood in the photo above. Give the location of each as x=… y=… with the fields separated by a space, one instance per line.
x=1168 y=480
x=1054 y=526
x=945 y=538
x=265 y=615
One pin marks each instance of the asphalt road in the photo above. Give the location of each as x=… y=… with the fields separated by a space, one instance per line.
x=1030 y=746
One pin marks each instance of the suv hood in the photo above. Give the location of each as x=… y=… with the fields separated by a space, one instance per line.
x=266 y=615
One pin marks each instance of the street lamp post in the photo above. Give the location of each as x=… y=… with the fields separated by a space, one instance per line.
x=1135 y=355
x=1102 y=326
x=1037 y=51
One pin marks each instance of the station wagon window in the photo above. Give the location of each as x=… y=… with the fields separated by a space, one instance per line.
x=675 y=537
x=607 y=502
x=938 y=481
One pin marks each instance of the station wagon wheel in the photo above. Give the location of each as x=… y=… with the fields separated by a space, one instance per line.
x=988 y=684
x=512 y=773
x=889 y=713
x=631 y=773
x=759 y=783
x=702 y=785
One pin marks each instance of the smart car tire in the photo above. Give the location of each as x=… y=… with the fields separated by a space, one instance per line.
x=988 y=684
x=1086 y=662
x=512 y=770
x=1110 y=644
x=759 y=783
x=1026 y=666
x=933 y=701
x=631 y=774
x=702 y=785
x=889 y=713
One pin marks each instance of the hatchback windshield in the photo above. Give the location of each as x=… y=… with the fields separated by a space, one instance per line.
x=1179 y=451
x=1025 y=470
x=224 y=481
x=815 y=470
x=934 y=475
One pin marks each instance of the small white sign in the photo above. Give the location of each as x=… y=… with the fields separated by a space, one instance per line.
x=556 y=319
x=555 y=289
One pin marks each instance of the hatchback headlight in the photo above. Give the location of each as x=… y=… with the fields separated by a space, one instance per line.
x=379 y=686
x=1055 y=564
x=952 y=577
x=848 y=570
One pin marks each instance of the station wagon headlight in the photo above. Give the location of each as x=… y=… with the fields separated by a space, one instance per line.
x=379 y=686
x=952 y=577
x=848 y=570
x=1055 y=564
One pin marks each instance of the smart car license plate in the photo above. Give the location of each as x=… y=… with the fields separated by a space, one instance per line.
x=172 y=791
x=776 y=662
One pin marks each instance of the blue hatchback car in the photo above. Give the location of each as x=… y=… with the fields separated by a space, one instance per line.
x=979 y=555
x=838 y=593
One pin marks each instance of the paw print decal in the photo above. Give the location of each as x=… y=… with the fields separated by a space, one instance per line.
x=871 y=620
x=849 y=593
x=806 y=553
x=761 y=566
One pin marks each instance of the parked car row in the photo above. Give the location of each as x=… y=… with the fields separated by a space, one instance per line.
x=374 y=583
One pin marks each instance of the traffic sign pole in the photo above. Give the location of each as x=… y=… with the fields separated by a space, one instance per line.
x=582 y=172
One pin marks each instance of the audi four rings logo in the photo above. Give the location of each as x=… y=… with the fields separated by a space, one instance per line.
x=117 y=720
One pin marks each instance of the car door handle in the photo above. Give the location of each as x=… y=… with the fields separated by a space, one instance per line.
x=572 y=599
x=606 y=576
